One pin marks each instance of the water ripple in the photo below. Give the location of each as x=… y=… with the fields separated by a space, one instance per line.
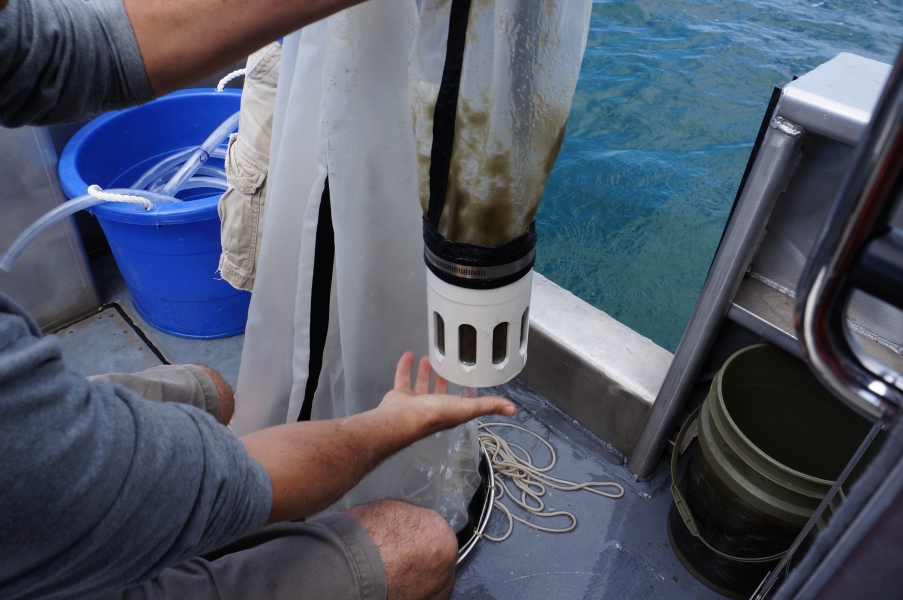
x=669 y=101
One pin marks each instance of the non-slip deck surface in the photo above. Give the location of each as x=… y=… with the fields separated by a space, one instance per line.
x=89 y=352
x=620 y=547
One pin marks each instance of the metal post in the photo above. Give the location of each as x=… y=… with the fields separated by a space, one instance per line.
x=770 y=173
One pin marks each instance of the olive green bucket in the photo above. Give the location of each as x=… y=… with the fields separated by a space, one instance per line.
x=771 y=442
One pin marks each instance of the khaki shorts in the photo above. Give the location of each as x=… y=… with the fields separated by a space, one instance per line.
x=330 y=558
x=183 y=384
x=242 y=206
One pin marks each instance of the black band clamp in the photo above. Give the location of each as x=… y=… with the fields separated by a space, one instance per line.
x=469 y=272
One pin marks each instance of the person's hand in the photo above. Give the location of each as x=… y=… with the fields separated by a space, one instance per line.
x=337 y=453
x=441 y=410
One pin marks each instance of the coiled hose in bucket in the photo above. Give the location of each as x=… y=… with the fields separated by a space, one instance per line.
x=200 y=156
x=169 y=165
x=191 y=174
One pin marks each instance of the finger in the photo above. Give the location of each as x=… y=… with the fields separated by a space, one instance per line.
x=403 y=371
x=455 y=410
x=424 y=370
x=468 y=409
x=441 y=385
x=494 y=405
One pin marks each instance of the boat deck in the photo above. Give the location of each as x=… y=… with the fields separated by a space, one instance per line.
x=619 y=549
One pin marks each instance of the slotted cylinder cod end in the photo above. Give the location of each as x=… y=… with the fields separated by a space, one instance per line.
x=478 y=338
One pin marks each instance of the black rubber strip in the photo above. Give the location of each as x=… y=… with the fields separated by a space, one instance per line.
x=446 y=109
x=138 y=331
x=320 y=297
x=474 y=255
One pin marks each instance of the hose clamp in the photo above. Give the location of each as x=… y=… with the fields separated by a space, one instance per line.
x=470 y=272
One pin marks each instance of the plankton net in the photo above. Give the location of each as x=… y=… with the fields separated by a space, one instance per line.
x=341 y=288
x=490 y=108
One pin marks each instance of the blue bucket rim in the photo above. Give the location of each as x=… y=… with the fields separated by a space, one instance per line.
x=182 y=212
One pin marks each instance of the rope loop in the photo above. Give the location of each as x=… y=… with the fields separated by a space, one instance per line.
x=225 y=80
x=95 y=191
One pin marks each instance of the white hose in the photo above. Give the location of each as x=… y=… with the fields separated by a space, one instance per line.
x=531 y=480
x=199 y=156
x=94 y=196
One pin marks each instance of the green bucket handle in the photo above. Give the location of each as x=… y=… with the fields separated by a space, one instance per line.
x=681 y=503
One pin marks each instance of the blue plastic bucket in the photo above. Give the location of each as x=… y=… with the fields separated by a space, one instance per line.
x=168 y=255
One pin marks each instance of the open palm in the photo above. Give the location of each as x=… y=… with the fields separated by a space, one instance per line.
x=442 y=409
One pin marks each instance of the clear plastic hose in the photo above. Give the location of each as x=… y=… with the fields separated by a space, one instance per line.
x=216 y=183
x=185 y=177
x=200 y=156
x=66 y=209
x=169 y=164
x=204 y=171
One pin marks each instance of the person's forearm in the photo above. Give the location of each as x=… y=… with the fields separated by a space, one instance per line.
x=311 y=464
x=183 y=41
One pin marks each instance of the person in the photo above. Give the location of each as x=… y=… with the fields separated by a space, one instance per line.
x=106 y=494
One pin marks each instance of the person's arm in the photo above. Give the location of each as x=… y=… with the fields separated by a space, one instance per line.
x=183 y=41
x=101 y=488
x=64 y=60
x=311 y=464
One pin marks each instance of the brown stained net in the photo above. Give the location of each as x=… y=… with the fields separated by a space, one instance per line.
x=479 y=207
x=502 y=154
x=423 y=136
x=494 y=192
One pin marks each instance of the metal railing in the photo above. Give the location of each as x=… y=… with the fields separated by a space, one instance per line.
x=858 y=249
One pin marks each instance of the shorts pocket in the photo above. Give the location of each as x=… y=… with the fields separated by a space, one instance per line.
x=241 y=211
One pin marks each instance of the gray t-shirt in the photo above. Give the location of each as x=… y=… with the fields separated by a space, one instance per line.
x=64 y=60
x=99 y=488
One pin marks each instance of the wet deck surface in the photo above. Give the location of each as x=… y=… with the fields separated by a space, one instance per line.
x=619 y=549
x=97 y=349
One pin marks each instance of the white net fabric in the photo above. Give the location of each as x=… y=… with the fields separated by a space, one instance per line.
x=344 y=108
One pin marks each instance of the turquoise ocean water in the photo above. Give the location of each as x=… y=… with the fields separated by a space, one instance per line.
x=669 y=101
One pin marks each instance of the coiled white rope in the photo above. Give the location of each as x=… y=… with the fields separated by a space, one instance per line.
x=530 y=479
x=95 y=191
x=225 y=80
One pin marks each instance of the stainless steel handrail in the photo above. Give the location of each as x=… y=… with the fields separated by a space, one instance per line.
x=860 y=215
